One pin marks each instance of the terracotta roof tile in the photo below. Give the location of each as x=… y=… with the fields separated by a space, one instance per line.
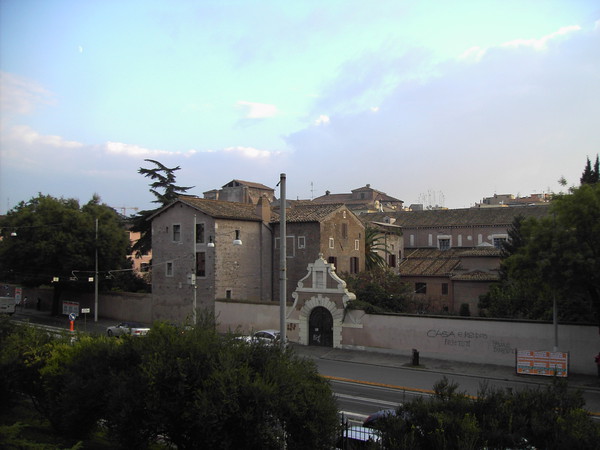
x=458 y=217
x=310 y=212
x=220 y=209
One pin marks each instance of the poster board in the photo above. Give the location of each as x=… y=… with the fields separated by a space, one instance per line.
x=545 y=363
x=70 y=307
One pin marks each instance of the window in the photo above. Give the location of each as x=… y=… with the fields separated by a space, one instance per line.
x=420 y=288
x=199 y=233
x=201 y=264
x=169 y=269
x=331 y=243
x=444 y=244
x=356 y=244
x=499 y=241
x=176 y=233
x=344 y=230
x=332 y=260
x=301 y=242
x=319 y=277
x=444 y=288
x=392 y=260
x=354 y=264
x=228 y=294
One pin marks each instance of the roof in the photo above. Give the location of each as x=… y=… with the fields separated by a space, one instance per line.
x=458 y=217
x=310 y=212
x=446 y=263
x=217 y=208
x=249 y=184
x=429 y=262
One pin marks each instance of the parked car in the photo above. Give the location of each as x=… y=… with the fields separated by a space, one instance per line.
x=132 y=328
x=266 y=337
x=356 y=437
x=377 y=417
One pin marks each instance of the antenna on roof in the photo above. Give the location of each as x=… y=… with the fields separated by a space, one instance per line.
x=312 y=191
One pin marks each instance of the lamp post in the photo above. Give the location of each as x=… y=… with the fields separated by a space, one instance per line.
x=193 y=277
x=283 y=261
x=96 y=277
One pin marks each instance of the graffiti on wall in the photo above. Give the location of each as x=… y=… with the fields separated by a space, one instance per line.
x=465 y=339
x=456 y=338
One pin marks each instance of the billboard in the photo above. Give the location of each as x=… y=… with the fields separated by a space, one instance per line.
x=530 y=362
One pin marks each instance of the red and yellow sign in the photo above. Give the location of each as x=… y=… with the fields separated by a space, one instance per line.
x=543 y=363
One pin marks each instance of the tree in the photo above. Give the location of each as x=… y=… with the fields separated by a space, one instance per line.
x=187 y=387
x=591 y=175
x=551 y=417
x=378 y=290
x=165 y=190
x=56 y=238
x=559 y=256
x=373 y=246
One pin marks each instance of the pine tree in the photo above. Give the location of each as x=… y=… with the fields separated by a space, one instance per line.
x=589 y=175
x=166 y=191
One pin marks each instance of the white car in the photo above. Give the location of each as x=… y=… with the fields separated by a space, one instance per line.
x=266 y=337
x=132 y=328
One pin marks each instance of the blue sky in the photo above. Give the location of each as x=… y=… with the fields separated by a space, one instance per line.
x=429 y=101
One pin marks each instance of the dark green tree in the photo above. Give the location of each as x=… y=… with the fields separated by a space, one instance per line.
x=378 y=290
x=591 y=175
x=559 y=257
x=48 y=237
x=552 y=417
x=165 y=191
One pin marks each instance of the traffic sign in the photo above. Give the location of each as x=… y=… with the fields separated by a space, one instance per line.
x=72 y=316
x=85 y=310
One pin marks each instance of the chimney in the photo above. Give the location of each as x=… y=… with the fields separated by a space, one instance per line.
x=263 y=209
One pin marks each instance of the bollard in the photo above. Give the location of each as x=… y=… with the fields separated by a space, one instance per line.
x=415 y=357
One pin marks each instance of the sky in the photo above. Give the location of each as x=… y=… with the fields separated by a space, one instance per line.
x=434 y=102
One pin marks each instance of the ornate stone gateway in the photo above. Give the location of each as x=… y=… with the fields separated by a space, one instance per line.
x=320 y=327
x=317 y=315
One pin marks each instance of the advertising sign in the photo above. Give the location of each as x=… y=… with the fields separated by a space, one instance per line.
x=542 y=363
x=70 y=307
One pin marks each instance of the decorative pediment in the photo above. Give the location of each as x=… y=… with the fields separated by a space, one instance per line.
x=321 y=277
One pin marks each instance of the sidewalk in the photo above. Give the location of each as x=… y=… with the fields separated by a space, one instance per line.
x=444 y=367
x=584 y=382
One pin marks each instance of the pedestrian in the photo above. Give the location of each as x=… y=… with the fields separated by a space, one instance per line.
x=25 y=302
x=597 y=359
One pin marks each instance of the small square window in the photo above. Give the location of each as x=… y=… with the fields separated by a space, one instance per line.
x=444 y=244
x=331 y=243
x=301 y=242
x=169 y=269
x=444 y=288
x=356 y=244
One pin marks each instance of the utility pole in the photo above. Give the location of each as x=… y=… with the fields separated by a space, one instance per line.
x=96 y=278
x=283 y=261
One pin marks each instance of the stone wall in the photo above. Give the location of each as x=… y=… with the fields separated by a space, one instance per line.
x=475 y=340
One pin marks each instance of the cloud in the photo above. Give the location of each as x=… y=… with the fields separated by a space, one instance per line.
x=322 y=120
x=22 y=96
x=26 y=135
x=119 y=148
x=514 y=122
x=258 y=110
x=476 y=53
x=541 y=43
x=249 y=152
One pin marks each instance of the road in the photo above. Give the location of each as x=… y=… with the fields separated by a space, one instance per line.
x=362 y=389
